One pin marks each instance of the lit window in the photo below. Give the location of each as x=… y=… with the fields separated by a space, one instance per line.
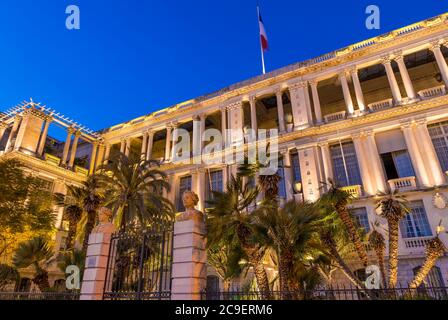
x=397 y=165
x=415 y=224
x=439 y=135
x=281 y=184
x=345 y=164
x=296 y=167
x=214 y=182
x=361 y=218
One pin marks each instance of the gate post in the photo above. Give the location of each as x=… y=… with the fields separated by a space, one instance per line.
x=189 y=274
x=97 y=258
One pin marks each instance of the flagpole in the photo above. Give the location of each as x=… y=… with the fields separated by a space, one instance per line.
x=261 y=44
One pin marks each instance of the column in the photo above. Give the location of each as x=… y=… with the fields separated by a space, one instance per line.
x=253 y=114
x=316 y=101
x=144 y=146
x=289 y=181
x=399 y=58
x=326 y=161
x=43 y=138
x=127 y=150
x=281 y=112
x=175 y=140
x=376 y=163
x=300 y=105
x=197 y=145
x=225 y=177
x=364 y=167
x=3 y=127
x=416 y=157
x=93 y=157
x=441 y=62
x=347 y=95
x=224 y=126
x=150 y=145
x=68 y=140
x=12 y=134
x=358 y=90
x=168 y=142
x=429 y=153
x=201 y=188
x=74 y=149
x=122 y=145
x=189 y=273
x=107 y=154
x=94 y=279
x=387 y=62
x=21 y=132
x=100 y=155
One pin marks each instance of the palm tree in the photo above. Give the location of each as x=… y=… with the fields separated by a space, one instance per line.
x=229 y=211
x=36 y=253
x=289 y=232
x=134 y=191
x=339 y=200
x=8 y=275
x=378 y=243
x=393 y=208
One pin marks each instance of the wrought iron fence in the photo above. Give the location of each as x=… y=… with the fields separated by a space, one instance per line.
x=49 y=296
x=333 y=293
x=139 y=266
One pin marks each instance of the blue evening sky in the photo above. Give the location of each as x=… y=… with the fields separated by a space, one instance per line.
x=132 y=57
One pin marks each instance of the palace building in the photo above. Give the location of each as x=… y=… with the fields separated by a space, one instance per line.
x=372 y=116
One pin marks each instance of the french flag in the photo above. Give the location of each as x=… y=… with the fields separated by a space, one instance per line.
x=263 y=35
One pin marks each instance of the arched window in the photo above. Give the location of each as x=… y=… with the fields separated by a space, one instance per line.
x=433 y=285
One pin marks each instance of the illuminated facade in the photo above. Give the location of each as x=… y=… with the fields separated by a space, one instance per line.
x=371 y=116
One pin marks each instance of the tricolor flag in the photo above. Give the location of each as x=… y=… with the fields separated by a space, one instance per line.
x=263 y=35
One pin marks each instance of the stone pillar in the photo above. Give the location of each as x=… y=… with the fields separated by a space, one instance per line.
x=376 y=163
x=13 y=133
x=43 y=138
x=127 y=150
x=197 y=145
x=100 y=155
x=94 y=279
x=309 y=168
x=358 y=90
x=175 y=135
x=289 y=181
x=74 y=149
x=346 y=92
x=201 y=188
x=416 y=157
x=21 y=131
x=144 y=146
x=122 y=146
x=364 y=167
x=107 y=153
x=316 y=101
x=93 y=157
x=150 y=145
x=253 y=114
x=236 y=123
x=326 y=161
x=281 y=112
x=168 y=142
x=399 y=58
x=429 y=154
x=387 y=62
x=68 y=140
x=441 y=62
x=189 y=273
x=224 y=126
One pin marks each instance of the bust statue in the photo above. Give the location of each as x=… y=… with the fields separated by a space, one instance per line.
x=105 y=225
x=190 y=200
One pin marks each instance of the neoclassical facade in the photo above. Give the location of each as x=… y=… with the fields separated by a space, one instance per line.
x=372 y=116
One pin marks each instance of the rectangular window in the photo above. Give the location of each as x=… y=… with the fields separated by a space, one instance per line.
x=296 y=167
x=214 y=182
x=361 y=218
x=281 y=185
x=345 y=164
x=416 y=224
x=184 y=185
x=397 y=165
x=439 y=136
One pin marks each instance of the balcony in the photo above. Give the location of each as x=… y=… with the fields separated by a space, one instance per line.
x=53 y=160
x=81 y=171
x=403 y=184
x=416 y=242
x=338 y=116
x=354 y=191
x=381 y=105
x=432 y=92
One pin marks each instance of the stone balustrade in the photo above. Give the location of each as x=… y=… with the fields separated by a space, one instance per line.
x=381 y=105
x=337 y=116
x=416 y=242
x=432 y=92
x=403 y=184
x=354 y=191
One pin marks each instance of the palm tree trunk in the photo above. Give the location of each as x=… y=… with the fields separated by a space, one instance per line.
x=393 y=252
x=41 y=279
x=435 y=249
x=285 y=271
x=70 y=235
x=90 y=225
x=380 y=257
x=262 y=278
x=353 y=233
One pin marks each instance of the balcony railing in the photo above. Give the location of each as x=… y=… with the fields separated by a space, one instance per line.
x=416 y=242
x=403 y=184
x=354 y=191
x=81 y=171
x=53 y=160
x=432 y=92
x=337 y=116
x=381 y=105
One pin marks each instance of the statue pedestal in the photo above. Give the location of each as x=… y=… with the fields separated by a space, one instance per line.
x=189 y=275
x=96 y=266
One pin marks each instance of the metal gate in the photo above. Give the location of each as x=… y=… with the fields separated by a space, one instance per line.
x=140 y=265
